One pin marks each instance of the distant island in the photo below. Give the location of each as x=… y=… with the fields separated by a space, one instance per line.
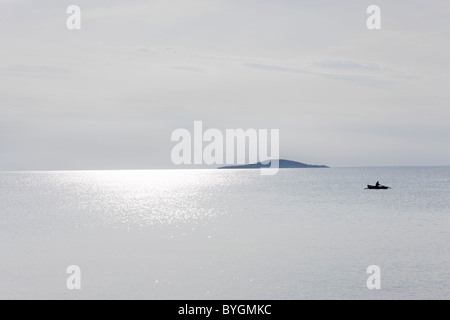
x=283 y=164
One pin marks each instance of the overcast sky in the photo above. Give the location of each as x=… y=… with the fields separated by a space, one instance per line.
x=108 y=96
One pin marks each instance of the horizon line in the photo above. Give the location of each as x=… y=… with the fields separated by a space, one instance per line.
x=218 y=168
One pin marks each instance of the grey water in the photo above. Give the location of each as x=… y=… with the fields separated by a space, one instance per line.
x=226 y=234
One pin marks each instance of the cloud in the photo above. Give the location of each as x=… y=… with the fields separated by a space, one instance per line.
x=36 y=70
x=139 y=69
x=155 y=11
x=274 y=68
x=372 y=80
x=188 y=68
x=348 y=65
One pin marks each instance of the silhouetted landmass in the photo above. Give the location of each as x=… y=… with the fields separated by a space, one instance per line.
x=283 y=164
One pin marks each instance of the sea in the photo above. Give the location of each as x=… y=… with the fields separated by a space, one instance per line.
x=226 y=234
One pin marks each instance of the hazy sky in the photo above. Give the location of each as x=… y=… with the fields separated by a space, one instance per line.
x=108 y=96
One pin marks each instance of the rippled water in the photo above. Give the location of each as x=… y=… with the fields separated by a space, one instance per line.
x=213 y=234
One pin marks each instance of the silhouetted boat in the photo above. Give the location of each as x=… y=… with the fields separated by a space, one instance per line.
x=377 y=188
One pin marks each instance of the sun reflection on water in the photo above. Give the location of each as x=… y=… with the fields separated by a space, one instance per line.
x=148 y=197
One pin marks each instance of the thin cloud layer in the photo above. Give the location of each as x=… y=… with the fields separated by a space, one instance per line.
x=109 y=95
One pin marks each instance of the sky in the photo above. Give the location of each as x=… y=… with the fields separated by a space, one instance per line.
x=110 y=95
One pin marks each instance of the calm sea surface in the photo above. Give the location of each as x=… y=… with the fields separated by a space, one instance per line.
x=226 y=234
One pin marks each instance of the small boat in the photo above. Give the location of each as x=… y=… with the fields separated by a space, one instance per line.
x=380 y=187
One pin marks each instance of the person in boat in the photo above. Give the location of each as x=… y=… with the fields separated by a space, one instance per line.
x=377 y=184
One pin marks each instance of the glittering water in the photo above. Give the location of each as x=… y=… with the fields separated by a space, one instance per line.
x=213 y=234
